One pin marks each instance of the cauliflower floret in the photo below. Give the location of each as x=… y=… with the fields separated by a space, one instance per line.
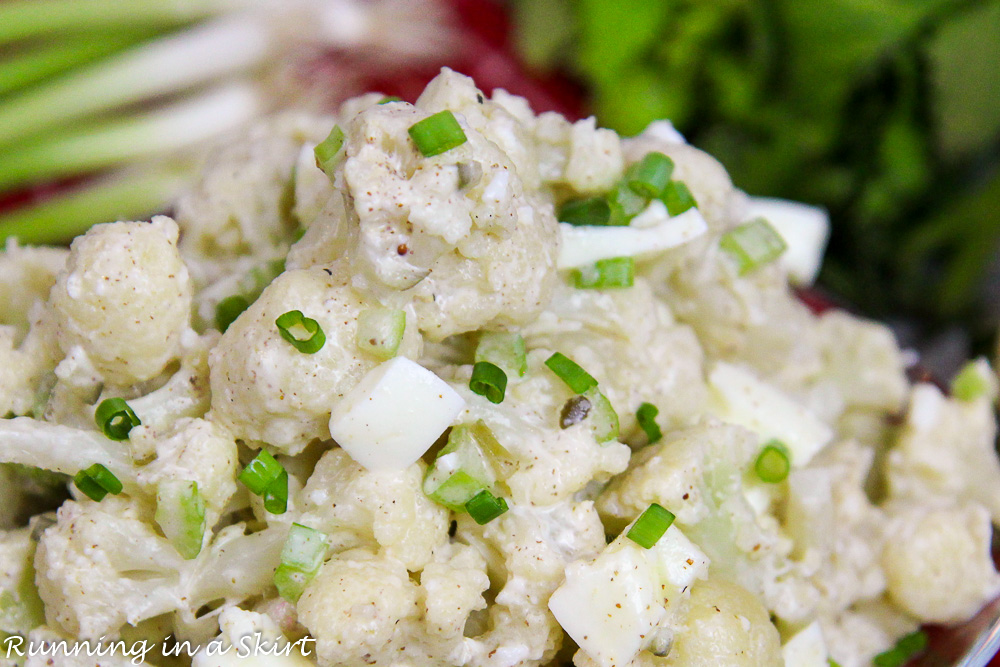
x=839 y=533
x=946 y=449
x=857 y=635
x=529 y=549
x=125 y=298
x=863 y=360
x=26 y=276
x=102 y=565
x=452 y=588
x=242 y=203
x=386 y=509
x=697 y=474
x=355 y=605
x=459 y=230
x=631 y=343
x=194 y=450
x=726 y=625
x=937 y=561
x=264 y=389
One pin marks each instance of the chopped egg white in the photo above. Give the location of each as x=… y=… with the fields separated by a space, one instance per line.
x=746 y=400
x=582 y=246
x=806 y=648
x=805 y=230
x=394 y=415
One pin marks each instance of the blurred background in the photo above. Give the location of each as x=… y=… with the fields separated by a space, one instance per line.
x=885 y=112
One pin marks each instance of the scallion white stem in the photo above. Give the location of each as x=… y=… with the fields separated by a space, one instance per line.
x=110 y=143
x=167 y=65
x=30 y=65
x=126 y=195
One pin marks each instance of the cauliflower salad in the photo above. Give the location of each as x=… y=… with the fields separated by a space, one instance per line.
x=457 y=384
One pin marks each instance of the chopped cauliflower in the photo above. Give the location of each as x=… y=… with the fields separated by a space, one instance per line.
x=938 y=563
x=125 y=298
x=508 y=541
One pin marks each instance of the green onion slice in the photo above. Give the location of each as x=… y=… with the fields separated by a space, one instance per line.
x=593 y=212
x=380 y=331
x=330 y=151
x=180 y=513
x=228 y=310
x=97 y=482
x=601 y=418
x=436 y=134
x=624 y=204
x=301 y=558
x=616 y=272
x=650 y=526
x=678 y=198
x=115 y=418
x=971 y=382
x=753 y=244
x=276 y=495
x=488 y=380
x=506 y=350
x=472 y=460
x=649 y=177
x=570 y=372
x=261 y=473
x=484 y=507
x=646 y=416
x=390 y=98
x=304 y=333
x=773 y=463
x=904 y=650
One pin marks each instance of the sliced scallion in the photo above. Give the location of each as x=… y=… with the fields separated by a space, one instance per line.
x=617 y=272
x=488 y=380
x=646 y=416
x=593 y=212
x=753 y=244
x=301 y=558
x=484 y=507
x=773 y=463
x=97 y=481
x=649 y=177
x=904 y=650
x=472 y=460
x=228 y=310
x=601 y=418
x=276 y=494
x=261 y=473
x=115 y=418
x=380 y=331
x=624 y=204
x=304 y=333
x=390 y=98
x=330 y=151
x=438 y=133
x=506 y=350
x=650 y=526
x=677 y=198
x=571 y=373
x=972 y=382
x=180 y=513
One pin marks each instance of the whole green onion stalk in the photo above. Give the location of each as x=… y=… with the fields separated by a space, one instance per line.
x=132 y=89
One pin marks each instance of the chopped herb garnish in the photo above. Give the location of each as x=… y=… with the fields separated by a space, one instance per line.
x=438 y=133
x=650 y=526
x=304 y=333
x=570 y=372
x=97 y=481
x=488 y=380
x=646 y=416
x=115 y=418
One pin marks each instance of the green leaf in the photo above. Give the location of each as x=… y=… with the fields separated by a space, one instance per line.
x=964 y=60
